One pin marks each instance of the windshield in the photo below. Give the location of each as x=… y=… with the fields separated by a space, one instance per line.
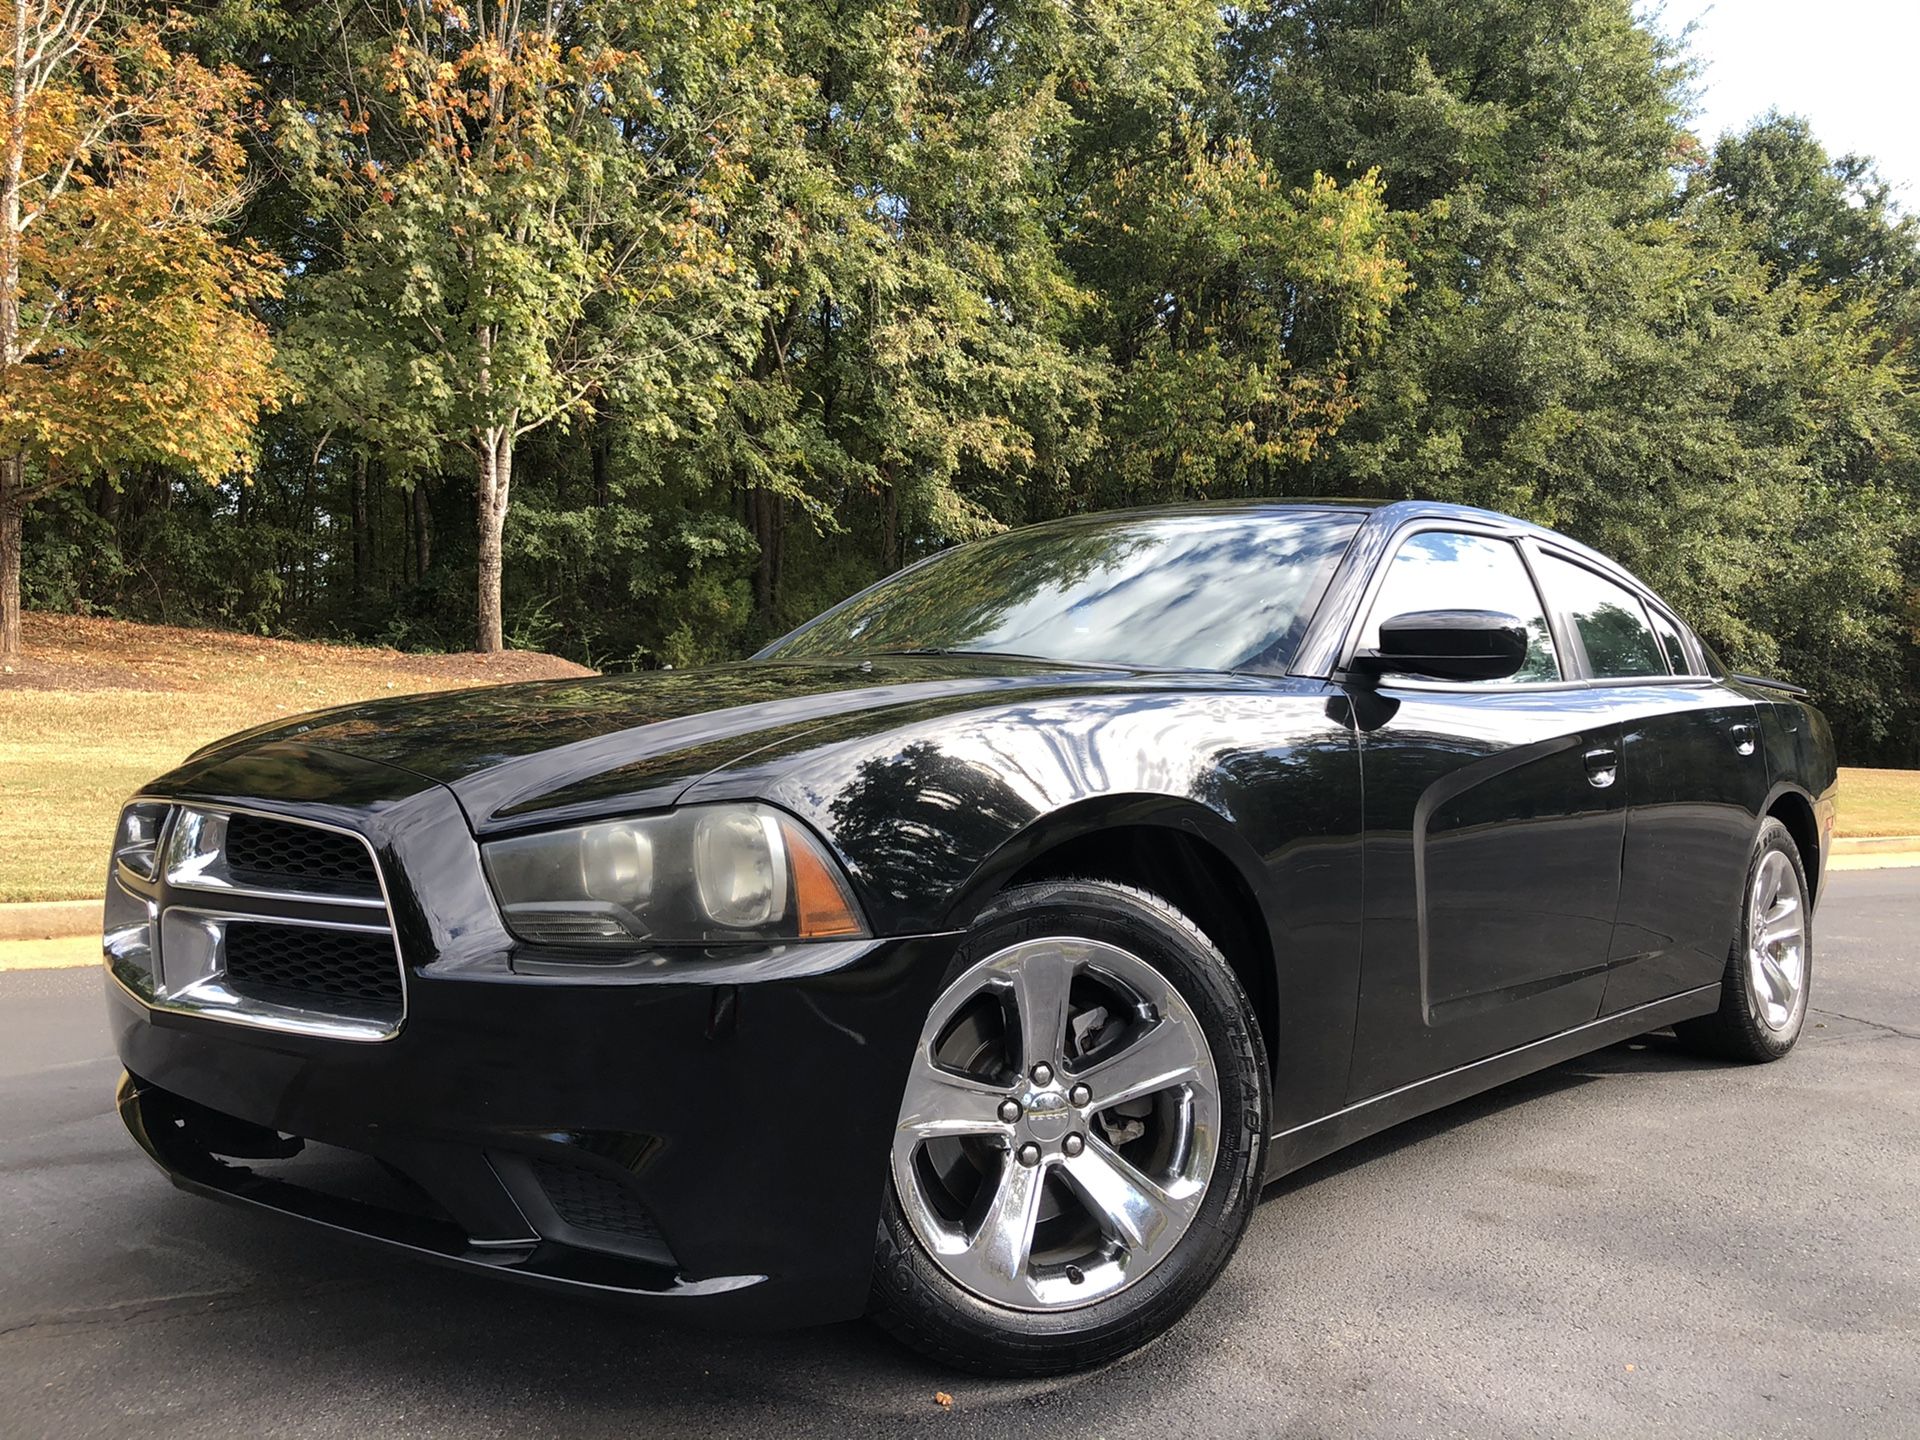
x=1197 y=591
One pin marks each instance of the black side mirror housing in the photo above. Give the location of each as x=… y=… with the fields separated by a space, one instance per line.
x=1448 y=645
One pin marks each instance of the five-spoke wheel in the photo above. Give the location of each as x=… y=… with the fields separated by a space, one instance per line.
x=1777 y=947
x=1764 y=989
x=1079 y=1136
x=1059 y=1126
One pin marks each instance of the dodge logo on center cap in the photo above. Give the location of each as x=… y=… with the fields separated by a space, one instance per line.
x=1047 y=1116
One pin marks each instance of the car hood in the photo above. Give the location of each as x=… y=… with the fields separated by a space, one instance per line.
x=550 y=750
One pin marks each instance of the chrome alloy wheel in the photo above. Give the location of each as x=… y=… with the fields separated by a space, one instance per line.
x=1060 y=1124
x=1777 y=942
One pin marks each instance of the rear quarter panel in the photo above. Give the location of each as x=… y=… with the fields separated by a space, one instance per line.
x=1801 y=759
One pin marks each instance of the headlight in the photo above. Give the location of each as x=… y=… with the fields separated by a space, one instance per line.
x=707 y=873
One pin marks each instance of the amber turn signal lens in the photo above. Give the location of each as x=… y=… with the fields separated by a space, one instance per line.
x=821 y=906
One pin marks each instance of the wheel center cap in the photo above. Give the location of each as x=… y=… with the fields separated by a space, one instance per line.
x=1047 y=1114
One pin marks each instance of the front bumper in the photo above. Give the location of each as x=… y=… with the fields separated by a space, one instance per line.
x=747 y=1125
x=710 y=1132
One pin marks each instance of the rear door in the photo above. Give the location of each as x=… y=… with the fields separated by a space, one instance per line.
x=1693 y=779
x=1493 y=829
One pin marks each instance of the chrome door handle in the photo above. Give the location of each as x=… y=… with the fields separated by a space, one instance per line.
x=1745 y=738
x=1603 y=765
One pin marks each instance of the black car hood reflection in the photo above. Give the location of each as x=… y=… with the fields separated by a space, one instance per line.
x=549 y=750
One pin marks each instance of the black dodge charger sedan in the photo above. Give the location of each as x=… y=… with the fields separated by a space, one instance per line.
x=972 y=955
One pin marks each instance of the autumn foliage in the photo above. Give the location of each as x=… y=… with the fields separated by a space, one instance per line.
x=127 y=328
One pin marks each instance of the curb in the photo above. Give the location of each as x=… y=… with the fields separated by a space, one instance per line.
x=50 y=919
x=1874 y=860
x=1877 y=845
x=73 y=952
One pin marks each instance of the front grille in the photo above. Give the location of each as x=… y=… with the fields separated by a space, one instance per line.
x=277 y=854
x=588 y=1200
x=258 y=920
x=300 y=964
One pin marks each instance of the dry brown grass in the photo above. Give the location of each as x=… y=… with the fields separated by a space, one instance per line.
x=96 y=708
x=63 y=954
x=1879 y=802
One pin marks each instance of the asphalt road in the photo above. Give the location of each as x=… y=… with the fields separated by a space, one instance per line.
x=1635 y=1242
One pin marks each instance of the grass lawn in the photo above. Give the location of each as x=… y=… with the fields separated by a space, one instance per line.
x=96 y=708
x=1879 y=802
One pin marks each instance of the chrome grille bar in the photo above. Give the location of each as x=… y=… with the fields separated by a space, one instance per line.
x=167 y=929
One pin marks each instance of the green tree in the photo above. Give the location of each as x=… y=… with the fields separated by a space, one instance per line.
x=1234 y=308
x=531 y=206
x=1831 y=219
x=911 y=334
x=1839 y=610
x=779 y=296
x=1667 y=372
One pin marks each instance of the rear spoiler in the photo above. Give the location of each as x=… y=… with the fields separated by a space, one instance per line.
x=1765 y=683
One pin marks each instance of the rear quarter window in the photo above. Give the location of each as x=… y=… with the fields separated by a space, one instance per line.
x=1668 y=635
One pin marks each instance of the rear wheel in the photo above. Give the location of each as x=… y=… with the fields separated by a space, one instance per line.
x=1763 y=993
x=1080 y=1141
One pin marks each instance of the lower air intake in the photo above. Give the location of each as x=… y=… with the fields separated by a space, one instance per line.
x=291 y=964
x=589 y=1200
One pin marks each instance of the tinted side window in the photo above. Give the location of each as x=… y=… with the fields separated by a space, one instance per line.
x=1440 y=570
x=1671 y=643
x=1611 y=620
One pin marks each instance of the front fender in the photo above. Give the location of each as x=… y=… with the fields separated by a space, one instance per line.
x=932 y=818
x=927 y=814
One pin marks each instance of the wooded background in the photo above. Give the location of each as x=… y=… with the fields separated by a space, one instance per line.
x=640 y=330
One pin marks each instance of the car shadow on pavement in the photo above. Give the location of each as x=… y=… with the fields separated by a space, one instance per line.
x=325 y=1323
x=1655 y=1053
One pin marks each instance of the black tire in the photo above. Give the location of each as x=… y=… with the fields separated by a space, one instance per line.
x=1737 y=1030
x=917 y=1302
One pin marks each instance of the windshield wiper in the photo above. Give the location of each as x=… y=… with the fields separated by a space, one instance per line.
x=940 y=653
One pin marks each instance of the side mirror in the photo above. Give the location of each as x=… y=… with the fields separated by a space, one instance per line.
x=1448 y=645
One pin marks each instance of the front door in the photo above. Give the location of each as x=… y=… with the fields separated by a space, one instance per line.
x=1493 y=832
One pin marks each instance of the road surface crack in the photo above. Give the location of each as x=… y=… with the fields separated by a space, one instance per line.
x=1870 y=1024
x=165 y=1307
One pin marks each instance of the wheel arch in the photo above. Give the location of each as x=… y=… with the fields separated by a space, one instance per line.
x=1793 y=808
x=1180 y=850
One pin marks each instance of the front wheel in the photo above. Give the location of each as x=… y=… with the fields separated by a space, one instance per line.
x=1763 y=993
x=1080 y=1142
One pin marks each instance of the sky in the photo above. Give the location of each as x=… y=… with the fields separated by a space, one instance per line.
x=1852 y=67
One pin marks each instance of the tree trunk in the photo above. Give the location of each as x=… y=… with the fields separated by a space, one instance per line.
x=495 y=478
x=769 y=524
x=376 y=545
x=12 y=506
x=405 y=498
x=362 y=528
x=13 y=477
x=422 y=530
x=602 y=458
x=889 y=526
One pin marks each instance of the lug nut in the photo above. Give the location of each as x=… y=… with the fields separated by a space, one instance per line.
x=1080 y=1095
x=1029 y=1154
x=1073 y=1144
x=1043 y=1074
x=1009 y=1110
